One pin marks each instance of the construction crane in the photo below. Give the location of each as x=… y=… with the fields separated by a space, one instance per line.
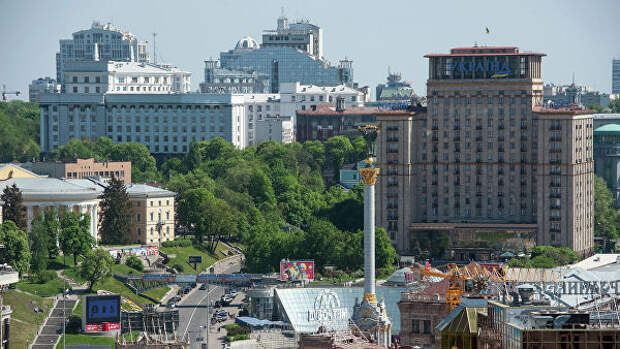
x=5 y=93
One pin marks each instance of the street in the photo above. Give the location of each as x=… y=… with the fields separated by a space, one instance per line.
x=193 y=312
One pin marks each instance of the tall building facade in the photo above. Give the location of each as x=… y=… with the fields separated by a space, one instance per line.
x=124 y=78
x=164 y=123
x=615 y=76
x=484 y=163
x=100 y=43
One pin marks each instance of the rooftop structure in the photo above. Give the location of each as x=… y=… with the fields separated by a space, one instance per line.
x=101 y=42
x=395 y=90
x=42 y=85
x=615 y=76
x=124 y=77
x=301 y=35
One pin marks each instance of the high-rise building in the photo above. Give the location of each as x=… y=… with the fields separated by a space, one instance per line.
x=100 y=43
x=301 y=35
x=292 y=53
x=42 y=85
x=484 y=164
x=615 y=76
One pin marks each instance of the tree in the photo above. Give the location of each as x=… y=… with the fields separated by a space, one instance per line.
x=52 y=226
x=596 y=107
x=74 y=236
x=97 y=265
x=385 y=254
x=206 y=216
x=606 y=217
x=12 y=209
x=38 y=246
x=15 y=252
x=614 y=105
x=143 y=167
x=337 y=149
x=115 y=213
x=19 y=131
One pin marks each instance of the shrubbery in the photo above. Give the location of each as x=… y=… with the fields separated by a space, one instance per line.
x=179 y=267
x=182 y=242
x=135 y=263
x=46 y=276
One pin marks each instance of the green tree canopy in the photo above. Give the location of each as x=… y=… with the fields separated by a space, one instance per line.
x=38 y=246
x=16 y=251
x=115 y=213
x=52 y=228
x=12 y=207
x=75 y=238
x=97 y=265
x=606 y=217
x=19 y=131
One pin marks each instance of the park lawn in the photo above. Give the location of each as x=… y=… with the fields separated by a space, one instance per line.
x=59 y=262
x=182 y=254
x=74 y=272
x=109 y=283
x=157 y=293
x=24 y=322
x=49 y=288
x=74 y=339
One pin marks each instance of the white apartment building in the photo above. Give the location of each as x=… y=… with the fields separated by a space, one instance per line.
x=42 y=85
x=100 y=43
x=265 y=123
x=124 y=78
x=164 y=123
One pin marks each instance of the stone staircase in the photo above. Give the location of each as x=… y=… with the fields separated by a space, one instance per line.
x=50 y=332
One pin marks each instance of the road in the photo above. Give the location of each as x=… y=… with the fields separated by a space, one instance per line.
x=193 y=308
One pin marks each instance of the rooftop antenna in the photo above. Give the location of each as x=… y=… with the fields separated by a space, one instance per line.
x=573 y=78
x=154 y=52
x=389 y=73
x=282 y=11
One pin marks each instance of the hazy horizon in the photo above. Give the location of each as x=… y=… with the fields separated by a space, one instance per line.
x=578 y=37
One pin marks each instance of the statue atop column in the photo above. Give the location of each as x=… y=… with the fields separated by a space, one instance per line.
x=370 y=316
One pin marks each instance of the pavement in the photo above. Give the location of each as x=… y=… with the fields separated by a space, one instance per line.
x=50 y=332
x=194 y=314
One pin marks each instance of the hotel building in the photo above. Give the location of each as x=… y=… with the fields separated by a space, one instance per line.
x=484 y=162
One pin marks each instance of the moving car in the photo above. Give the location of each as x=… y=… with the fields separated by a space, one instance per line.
x=204 y=287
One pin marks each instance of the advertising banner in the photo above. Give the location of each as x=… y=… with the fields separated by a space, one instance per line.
x=208 y=277
x=296 y=270
x=100 y=309
x=103 y=327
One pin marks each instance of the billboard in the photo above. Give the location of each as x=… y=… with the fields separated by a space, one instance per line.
x=185 y=278
x=194 y=259
x=296 y=270
x=136 y=251
x=102 y=309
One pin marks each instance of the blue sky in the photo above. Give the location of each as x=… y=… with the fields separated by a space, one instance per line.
x=577 y=36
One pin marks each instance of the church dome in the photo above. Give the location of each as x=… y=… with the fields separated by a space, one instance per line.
x=247 y=43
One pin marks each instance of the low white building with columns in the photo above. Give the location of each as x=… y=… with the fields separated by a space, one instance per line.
x=41 y=194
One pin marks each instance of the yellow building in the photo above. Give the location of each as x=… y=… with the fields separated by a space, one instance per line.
x=152 y=214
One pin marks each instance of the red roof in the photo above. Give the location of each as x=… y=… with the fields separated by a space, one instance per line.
x=330 y=109
x=440 y=288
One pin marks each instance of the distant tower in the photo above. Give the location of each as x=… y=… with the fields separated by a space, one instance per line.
x=210 y=66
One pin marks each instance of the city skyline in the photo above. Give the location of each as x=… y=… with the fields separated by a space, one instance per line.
x=189 y=39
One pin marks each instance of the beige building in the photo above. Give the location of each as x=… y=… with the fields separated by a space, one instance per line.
x=81 y=168
x=152 y=214
x=477 y=163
